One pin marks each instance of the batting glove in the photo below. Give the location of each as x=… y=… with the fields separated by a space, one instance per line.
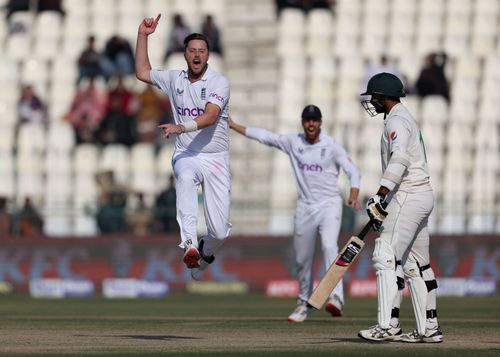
x=375 y=207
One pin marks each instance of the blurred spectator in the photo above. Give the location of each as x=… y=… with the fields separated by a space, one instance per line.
x=111 y=213
x=89 y=62
x=432 y=79
x=87 y=111
x=107 y=183
x=383 y=65
x=149 y=114
x=39 y=5
x=112 y=203
x=51 y=5
x=117 y=127
x=210 y=29
x=304 y=5
x=30 y=221
x=317 y=4
x=31 y=109
x=178 y=33
x=13 y=6
x=118 y=57
x=127 y=98
x=5 y=218
x=281 y=4
x=139 y=220
x=165 y=208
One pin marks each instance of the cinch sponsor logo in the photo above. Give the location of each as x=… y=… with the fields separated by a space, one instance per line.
x=310 y=167
x=191 y=112
x=218 y=97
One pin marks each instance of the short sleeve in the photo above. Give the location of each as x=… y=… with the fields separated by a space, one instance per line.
x=161 y=79
x=219 y=92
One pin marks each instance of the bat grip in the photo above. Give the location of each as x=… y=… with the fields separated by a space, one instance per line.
x=365 y=230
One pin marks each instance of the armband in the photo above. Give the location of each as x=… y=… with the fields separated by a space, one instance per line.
x=395 y=170
x=189 y=125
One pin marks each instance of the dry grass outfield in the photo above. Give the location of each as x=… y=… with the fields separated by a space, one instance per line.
x=228 y=326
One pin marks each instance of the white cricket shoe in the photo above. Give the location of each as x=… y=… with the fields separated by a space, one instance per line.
x=191 y=257
x=334 y=306
x=430 y=336
x=300 y=313
x=204 y=262
x=197 y=273
x=377 y=333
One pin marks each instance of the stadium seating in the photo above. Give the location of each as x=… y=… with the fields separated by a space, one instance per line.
x=276 y=65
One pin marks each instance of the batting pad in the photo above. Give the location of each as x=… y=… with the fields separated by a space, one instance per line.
x=384 y=262
x=387 y=289
x=418 y=293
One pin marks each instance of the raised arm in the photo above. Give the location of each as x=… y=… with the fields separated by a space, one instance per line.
x=142 y=64
x=263 y=136
x=237 y=127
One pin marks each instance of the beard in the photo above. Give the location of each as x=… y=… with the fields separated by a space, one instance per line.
x=198 y=72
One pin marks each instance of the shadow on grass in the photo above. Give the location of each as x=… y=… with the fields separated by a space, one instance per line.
x=354 y=340
x=146 y=337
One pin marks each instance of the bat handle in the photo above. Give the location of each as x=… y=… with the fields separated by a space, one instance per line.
x=365 y=230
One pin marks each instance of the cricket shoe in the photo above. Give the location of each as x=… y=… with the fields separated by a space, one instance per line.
x=197 y=273
x=300 y=313
x=191 y=257
x=334 y=306
x=430 y=336
x=377 y=333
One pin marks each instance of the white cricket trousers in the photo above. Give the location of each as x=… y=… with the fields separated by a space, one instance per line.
x=405 y=227
x=310 y=220
x=212 y=172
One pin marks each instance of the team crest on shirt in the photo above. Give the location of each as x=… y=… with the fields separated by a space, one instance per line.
x=203 y=93
x=393 y=136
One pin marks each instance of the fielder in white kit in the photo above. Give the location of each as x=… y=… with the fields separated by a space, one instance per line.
x=316 y=160
x=200 y=103
x=400 y=211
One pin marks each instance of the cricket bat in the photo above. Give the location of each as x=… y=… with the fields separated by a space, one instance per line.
x=338 y=268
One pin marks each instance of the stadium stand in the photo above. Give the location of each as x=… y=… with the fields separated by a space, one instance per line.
x=276 y=65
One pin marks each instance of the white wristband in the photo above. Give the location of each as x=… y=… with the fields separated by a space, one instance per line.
x=190 y=125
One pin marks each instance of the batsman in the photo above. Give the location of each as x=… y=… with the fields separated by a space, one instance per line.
x=400 y=211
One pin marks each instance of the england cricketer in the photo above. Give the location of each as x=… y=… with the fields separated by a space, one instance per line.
x=400 y=211
x=316 y=160
x=200 y=102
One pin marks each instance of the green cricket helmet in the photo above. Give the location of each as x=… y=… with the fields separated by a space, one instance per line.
x=380 y=87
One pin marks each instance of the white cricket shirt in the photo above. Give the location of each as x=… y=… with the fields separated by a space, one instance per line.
x=188 y=102
x=401 y=132
x=315 y=166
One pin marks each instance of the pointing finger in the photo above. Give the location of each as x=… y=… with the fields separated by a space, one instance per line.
x=157 y=19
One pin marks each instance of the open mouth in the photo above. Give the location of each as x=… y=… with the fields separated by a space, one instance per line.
x=196 y=62
x=311 y=129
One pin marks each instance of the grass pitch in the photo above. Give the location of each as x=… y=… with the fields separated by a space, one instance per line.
x=253 y=325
